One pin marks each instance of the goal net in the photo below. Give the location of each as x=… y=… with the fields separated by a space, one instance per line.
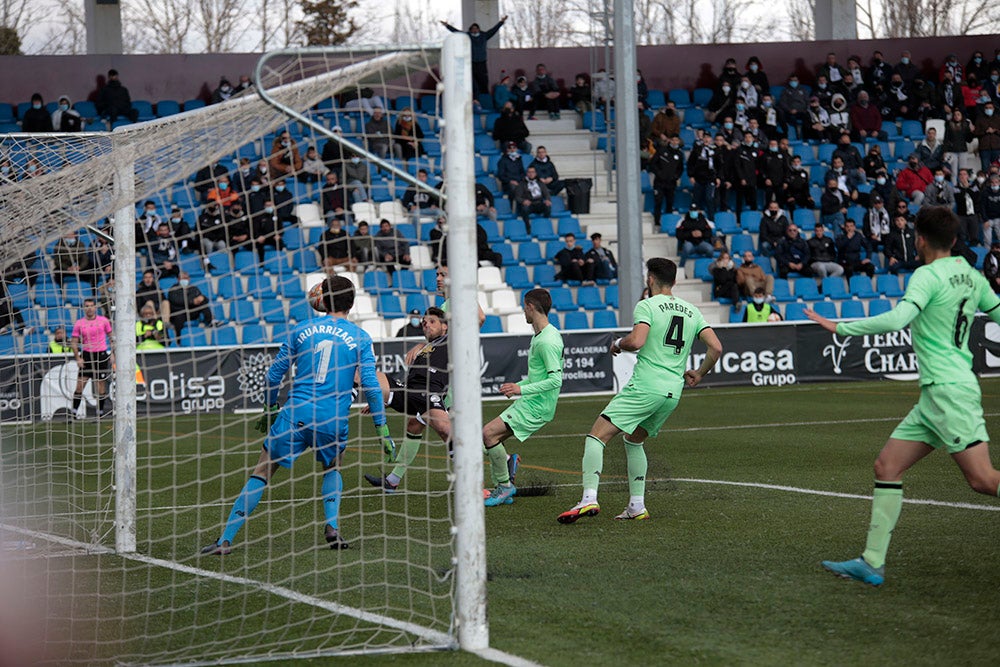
x=198 y=234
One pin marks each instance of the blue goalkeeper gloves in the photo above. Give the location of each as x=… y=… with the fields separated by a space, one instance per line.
x=388 y=445
x=264 y=422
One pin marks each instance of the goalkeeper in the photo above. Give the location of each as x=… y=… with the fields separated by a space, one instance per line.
x=327 y=353
x=421 y=397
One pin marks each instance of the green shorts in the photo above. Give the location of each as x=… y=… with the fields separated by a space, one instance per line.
x=521 y=421
x=947 y=415
x=633 y=408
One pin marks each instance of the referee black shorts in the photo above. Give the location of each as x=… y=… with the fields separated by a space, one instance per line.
x=96 y=365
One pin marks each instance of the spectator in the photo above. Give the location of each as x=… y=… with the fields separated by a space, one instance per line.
x=484 y=253
x=694 y=234
x=207 y=177
x=509 y=128
x=666 y=124
x=238 y=227
x=930 y=150
x=149 y=334
x=817 y=124
x=865 y=119
x=8 y=173
x=948 y=96
x=284 y=203
x=356 y=178
x=284 y=158
x=102 y=260
x=363 y=246
x=642 y=88
x=223 y=193
x=851 y=250
x=147 y=292
x=901 y=248
x=335 y=247
x=532 y=196
x=510 y=172
x=407 y=137
x=852 y=162
x=823 y=256
x=912 y=181
x=546 y=171
x=421 y=202
x=976 y=66
x=797 y=186
x=877 y=224
x=570 y=260
x=36 y=118
x=377 y=133
x=744 y=175
x=313 y=169
x=222 y=92
x=923 y=98
x=244 y=84
x=793 y=105
x=485 y=203
x=391 y=248
x=256 y=197
x=581 y=95
x=332 y=197
x=478 y=40
x=989 y=207
x=439 y=241
x=940 y=192
x=363 y=98
x=10 y=315
x=243 y=179
x=722 y=102
x=755 y=73
x=65 y=118
x=792 y=253
x=704 y=172
x=906 y=69
x=967 y=207
x=412 y=328
x=847 y=182
x=599 y=262
x=750 y=277
x=724 y=278
x=188 y=304
x=761 y=309
x=987 y=130
x=70 y=259
x=858 y=74
x=265 y=230
x=957 y=135
x=773 y=228
x=164 y=252
x=335 y=153
x=545 y=91
x=212 y=229
x=880 y=71
x=991 y=266
x=523 y=98
x=604 y=89
x=831 y=71
x=501 y=92
x=724 y=171
x=666 y=167
x=34 y=168
x=773 y=166
x=59 y=344
x=146 y=223
x=873 y=162
x=114 y=100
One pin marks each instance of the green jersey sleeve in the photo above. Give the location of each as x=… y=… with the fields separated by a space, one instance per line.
x=894 y=320
x=989 y=302
x=551 y=357
x=642 y=313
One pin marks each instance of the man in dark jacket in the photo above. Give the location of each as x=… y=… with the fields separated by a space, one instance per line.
x=478 y=39
x=744 y=175
x=989 y=210
x=509 y=128
x=114 y=100
x=773 y=226
x=694 y=235
x=797 y=186
x=510 y=172
x=703 y=170
x=570 y=260
x=851 y=248
x=901 y=248
x=188 y=304
x=545 y=92
x=991 y=266
x=532 y=196
x=546 y=171
x=666 y=168
x=36 y=118
x=773 y=172
x=792 y=254
x=823 y=255
x=967 y=207
x=599 y=262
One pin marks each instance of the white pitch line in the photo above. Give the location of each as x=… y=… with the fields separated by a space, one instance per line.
x=504 y=658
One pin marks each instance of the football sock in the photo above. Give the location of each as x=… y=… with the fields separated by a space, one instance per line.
x=498 y=464
x=410 y=449
x=333 y=484
x=635 y=455
x=77 y=399
x=244 y=506
x=593 y=463
x=887 y=502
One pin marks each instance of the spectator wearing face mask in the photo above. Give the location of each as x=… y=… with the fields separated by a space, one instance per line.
x=758 y=78
x=36 y=118
x=940 y=192
x=987 y=130
x=265 y=230
x=723 y=101
x=793 y=105
x=750 y=277
x=989 y=207
x=694 y=235
x=724 y=278
x=284 y=203
x=967 y=193
x=356 y=178
x=284 y=159
x=912 y=181
x=412 y=328
x=509 y=128
x=222 y=92
x=666 y=167
x=71 y=259
x=581 y=95
x=407 y=137
x=223 y=193
x=760 y=310
x=773 y=225
x=510 y=172
x=188 y=304
x=796 y=188
x=65 y=118
x=212 y=230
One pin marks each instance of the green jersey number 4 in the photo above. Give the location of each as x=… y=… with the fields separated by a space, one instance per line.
x=675 y=334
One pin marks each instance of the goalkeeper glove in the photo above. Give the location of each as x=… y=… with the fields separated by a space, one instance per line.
x=388 y=446
x=264 y=422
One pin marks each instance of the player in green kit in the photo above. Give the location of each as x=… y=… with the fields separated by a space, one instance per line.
x=664 y=328
x=939 y=305
x=539 y=393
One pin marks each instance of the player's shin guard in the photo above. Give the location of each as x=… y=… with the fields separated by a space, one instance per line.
x=635 y=455
x=593 y=464
x=498 y=464
x=410 y=449
x=244 y=506
x=886 y=505
x=333 y=484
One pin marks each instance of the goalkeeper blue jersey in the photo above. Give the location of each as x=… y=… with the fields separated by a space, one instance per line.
x=325 y=352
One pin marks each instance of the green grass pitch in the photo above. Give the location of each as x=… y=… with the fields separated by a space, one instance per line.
x=723 y=574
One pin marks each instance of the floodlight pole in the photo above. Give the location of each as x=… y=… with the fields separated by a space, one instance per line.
x=467 y=421
x=627 y=162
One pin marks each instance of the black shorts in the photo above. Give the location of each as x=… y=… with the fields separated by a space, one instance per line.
x=412 y=402
x=96 y=365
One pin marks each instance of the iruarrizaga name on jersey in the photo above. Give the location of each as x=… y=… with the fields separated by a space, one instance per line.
x=327 y=329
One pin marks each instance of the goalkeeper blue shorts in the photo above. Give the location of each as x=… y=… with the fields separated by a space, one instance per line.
x=287 y=441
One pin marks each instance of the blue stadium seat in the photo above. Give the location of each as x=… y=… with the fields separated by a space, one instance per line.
x=559 y=209
x=834 y=287
x=805 y=288
x=428 y=278
x=75 y=291
x=253 y=334
x=782 y=291
x=502 y=205
x=166 y=108
x=879 y=306
x=589 y=298
x=515 y=231
x=655 y=99
x=225 y=336
x=827 y=309
x=405 y=281
x=680 y=97
x=750 y=221
x=275 y=262
x=701 y=96
x=852 y=309
x=569 y=226
x=805 y=219
x=562 y=299
x=912 y=129
x=541 y=228
x=594 y=121
x=272 y=311
x=861 y=287
x=259 y=286
x=408 y=232
x=725 y=223
x=417 y=302
x=242 y=312
x=36 y=343
x=192 y=104
x=376 y=282
x=230 y=287
x=545 y=276
x=290 y=287
x=194 y=336
x=887 y=284
x=390 y=307
x=575 y=321
x=795 y=311
x=530 y=253
x=611 y=296
x=300 y=311
x=492 y=324
x=669 y=222
x=144 y=109
x=193 y=264
x=517 y=277
x=485 y=145
x=891 y=130
x=700 y=270
x=245 y=262
x=740 y=243
x=554 y=320
x=824 y=153
x=694 y=117
x=292 y=238
x=304 y=260
x=506 y=251
x=605 y=319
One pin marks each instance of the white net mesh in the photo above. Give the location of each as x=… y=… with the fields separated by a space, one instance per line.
x=282 y=591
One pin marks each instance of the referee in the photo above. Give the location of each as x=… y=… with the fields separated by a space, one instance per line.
x=93 y=356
